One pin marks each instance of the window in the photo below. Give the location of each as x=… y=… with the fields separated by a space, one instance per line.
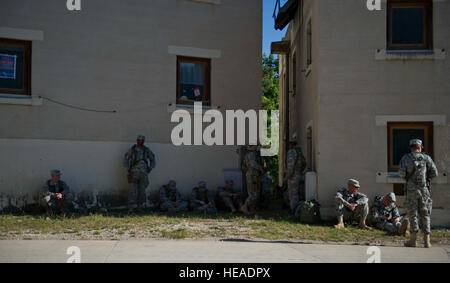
x=399 y=136
x=294 y=74
x=309 y=43
x=193 y=80
x=15 y=66
x=409 y=25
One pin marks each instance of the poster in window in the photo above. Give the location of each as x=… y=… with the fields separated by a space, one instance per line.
x=8 y=66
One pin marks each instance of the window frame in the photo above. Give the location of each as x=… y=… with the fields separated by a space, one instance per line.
x=26 y=45
x=428 y=128
x=309 y=43
x=294 y=74
x=207 y=79
x=428 y=25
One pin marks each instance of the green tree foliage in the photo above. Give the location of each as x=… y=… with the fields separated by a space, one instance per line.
x=270 y=84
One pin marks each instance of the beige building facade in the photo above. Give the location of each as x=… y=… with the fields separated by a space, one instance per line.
x=356 y=85
x=100 y=76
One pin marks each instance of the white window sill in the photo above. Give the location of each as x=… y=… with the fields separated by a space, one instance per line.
x=26 y=100
x=393 y=55
x=394 y=178
x=189 y=108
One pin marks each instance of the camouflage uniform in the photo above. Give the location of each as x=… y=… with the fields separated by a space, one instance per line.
x=201 y=194
x=168 y=197
x=253 y=166
x=140 y=162
x=227 y=197
x=418 y=197
x=49 y=201
x=265 y=189
x=343 y=197
x=379 y=210
x=296 y=165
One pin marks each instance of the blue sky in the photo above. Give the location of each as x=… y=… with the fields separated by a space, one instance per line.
x=269 y=32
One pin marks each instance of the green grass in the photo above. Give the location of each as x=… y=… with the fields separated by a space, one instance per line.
x=176 y=234
x=269 y=226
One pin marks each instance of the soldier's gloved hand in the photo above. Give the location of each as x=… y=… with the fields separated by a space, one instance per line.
x=59 y=196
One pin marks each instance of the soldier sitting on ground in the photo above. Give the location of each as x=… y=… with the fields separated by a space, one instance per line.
x=56 y=195
x=170 y=198
x=385 y=215
x=352 y=205
x=230 y=197
x=201 y=201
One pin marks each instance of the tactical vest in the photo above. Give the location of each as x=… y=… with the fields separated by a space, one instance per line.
x=171 y=195
x=298 y=162
x=201 y=196
x=52 y=187
x=420 y=169
x=134 y=154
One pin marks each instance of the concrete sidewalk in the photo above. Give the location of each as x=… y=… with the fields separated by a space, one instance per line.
x=165 y=251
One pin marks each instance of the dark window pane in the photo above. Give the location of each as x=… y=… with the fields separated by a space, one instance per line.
x=399 y=189
x=408 y=25
x=401 y=138
x=11 y=67
x=192 y=81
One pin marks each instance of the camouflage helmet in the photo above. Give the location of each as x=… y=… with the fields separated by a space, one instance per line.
x=140 y=138
x=391 y=198
x=55 y=172
x=354 y=183
x=293 y=138
x=415 y=142
x=172 y=184
x=202 y=185
x=229 y=182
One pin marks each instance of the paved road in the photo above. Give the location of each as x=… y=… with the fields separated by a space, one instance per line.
x=164 y=251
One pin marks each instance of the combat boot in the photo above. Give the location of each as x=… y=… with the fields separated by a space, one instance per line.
x=412 y=243
x=362 y=224
x=244 y=209
x=340 y=224
x=427 y=241
x=404 y=228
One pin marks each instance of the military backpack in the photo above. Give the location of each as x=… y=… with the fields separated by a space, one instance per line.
x=420 y=170
x=308 y=212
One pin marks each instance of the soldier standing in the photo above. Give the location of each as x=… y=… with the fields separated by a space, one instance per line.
x=201 y=201
x=139 y=161
x=418 y=169
x=56 y=197
x=296 y=165
x=385 y=215
x=254 y=170
x=352 y=205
